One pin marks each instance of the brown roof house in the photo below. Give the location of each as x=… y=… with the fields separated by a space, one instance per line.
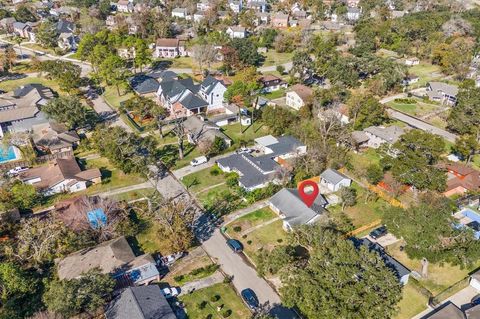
x=113 y=257
x=169 y=48
x=271 y=83
x=60 y=175
x=279 y=20
x=298 y=96
x=52 y=138
x=461 y=179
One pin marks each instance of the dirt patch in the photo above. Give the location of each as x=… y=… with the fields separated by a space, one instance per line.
x=195 y=259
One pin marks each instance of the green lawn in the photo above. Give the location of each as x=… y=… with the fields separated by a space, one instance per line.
x=210 y=195
x=257 y=129
x=133 y=195
x=196 y=274
x=37 y=47
x=253 y=219
x=13 y=84
x=272 y=57
x=361 y=160
x=426 y=72
x=200 y=180
x=112 y=177
x=439 y=278
x=363 y=212
x=228 y=298
x=275 y=94
x=169 y=155
x=412 y=303
x=112 y=97
x=418 y=109
x=149 y=240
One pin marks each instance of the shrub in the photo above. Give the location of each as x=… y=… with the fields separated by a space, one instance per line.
x=237 y=229
x=178 y=278
x=197 y=271
x=406 y=101
x=226 y=313
x=215 y=171
x=215 y=298
x=209 y=316
x=244 y=236
x=249 y=242
x=228 y=279
x=279 y=240
x=202 y=305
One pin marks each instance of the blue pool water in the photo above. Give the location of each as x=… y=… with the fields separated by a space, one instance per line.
x=7 y=154
x=475 y=224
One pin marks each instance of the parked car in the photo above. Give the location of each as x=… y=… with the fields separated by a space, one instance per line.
x=199 y=160
x=170 y=292
x=17 y=170
x=235 y=245
x=250 y=298
x=378 y=232
x=244 y=150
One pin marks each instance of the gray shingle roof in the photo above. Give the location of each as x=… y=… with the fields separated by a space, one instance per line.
x=251 y=176
x=295 y=212
x=451 y=90
x=286 y=144
x=446 y=311
x=144 y=302
x=144 y=84
x=399 y=269
x=333 y=176
x=389 y=134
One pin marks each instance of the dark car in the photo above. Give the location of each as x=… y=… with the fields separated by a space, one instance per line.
x=235 y=245
x=250 y=298
x=475 y=301
x=378 y=232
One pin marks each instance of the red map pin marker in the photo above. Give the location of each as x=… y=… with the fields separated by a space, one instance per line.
x=308 y=198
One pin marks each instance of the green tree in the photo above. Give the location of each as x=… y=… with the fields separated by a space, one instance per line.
x=271 y=262
x=416 y=155
x=339 y=280
x=113 y=71
x=247 y=51
x=428 y=232
x=68 y=110
x=278 y=119
x=87 y=293
x=464 y=118
x=348 y=196
x=24 y=196
x=47 y=34
x=374 y=174
x=25 y=13
x=366 y=111
x=142 y=54
x=466 y=146
x=65 y=73
x=13 y=281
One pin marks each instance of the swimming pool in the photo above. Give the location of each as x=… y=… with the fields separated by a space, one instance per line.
x=7 y=154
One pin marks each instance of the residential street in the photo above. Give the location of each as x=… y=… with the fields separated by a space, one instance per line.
x=244 y=276
x=416 y=123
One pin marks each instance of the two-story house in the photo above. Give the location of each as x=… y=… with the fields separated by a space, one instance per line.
x=125 y=6
x=271 y=83
x=169 y=48
x=298 y=96
x=236 y=32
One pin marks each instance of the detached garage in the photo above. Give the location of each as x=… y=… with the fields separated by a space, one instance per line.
x=475 y=280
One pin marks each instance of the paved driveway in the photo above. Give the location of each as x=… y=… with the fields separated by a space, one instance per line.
x=244 y=276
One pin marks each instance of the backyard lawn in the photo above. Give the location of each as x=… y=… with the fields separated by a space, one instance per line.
x=257 y=129
x=112 y=97
x=275 y=94
x=133 y=195
x=112 y=177
x=203 y=179
x=440 y=277
x=412 y=303
x=13 y=84
x=426 y=72
x=169 y=155
x=265 y=237
x=418 y=109
x=209 y=196
x=272 y=57
x=149 y=240
x=200 y=304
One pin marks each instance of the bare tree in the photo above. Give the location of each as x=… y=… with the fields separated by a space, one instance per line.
x=204 y=54
x=180 y=132
x=46 y=315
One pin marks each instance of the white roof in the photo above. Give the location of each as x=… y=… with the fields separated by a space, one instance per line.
x=266 y=140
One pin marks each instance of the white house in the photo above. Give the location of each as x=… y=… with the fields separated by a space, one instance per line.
x=271 y=83
x=298 y=96
x=236 y=32
x=410 y=79
x=212 y=91
x=169 y=48
x=180 y=13
x=333 y=180
x=412 y=61
x=353 y=14
x=203 y=5
x=125 y=6
x=59 y=176
x=235 y=5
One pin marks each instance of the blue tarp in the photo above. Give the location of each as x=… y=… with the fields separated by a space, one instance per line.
x=97 y=218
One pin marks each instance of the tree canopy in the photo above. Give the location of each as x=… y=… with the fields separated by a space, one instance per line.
x=69 y=111
x=339 y=280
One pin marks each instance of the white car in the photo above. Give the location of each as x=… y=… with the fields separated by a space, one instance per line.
x=244 y=150
x=199 y=160
x=170 y=292
x=15 y=171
